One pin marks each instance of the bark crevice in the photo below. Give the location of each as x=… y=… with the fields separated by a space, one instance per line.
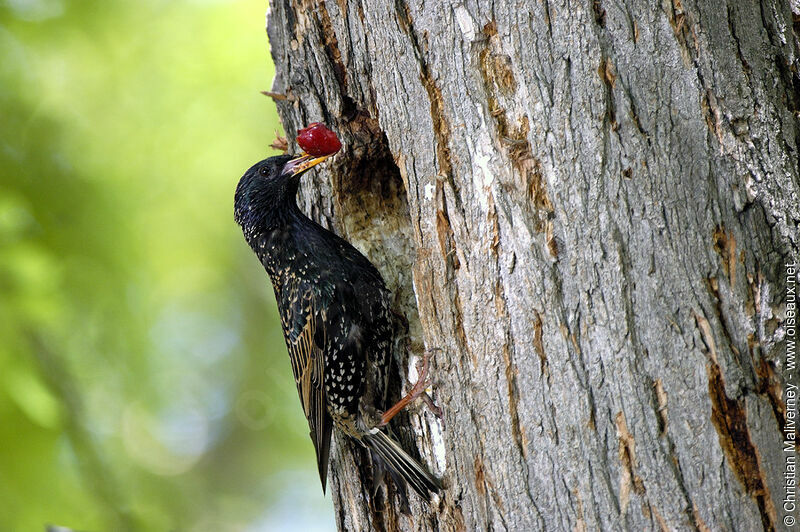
x=562 y=201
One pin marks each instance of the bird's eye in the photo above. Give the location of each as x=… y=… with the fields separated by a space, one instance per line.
x=263 y=171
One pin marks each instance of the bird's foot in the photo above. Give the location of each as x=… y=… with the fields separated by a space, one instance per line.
x=417 y=391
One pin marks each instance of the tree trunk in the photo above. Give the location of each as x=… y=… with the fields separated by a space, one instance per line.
x=588 y=208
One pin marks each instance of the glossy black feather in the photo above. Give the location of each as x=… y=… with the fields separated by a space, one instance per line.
x=303 y=329
x=335 y=315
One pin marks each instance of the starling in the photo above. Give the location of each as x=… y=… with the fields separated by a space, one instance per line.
x=335 y=313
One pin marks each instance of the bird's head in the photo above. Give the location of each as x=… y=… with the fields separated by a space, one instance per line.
x=266 y=192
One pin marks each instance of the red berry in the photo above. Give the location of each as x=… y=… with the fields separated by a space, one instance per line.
x=318 y=140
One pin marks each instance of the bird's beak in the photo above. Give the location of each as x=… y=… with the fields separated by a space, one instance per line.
x=298 y=165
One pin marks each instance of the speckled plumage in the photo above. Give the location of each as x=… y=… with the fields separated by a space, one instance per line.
x=335 y=315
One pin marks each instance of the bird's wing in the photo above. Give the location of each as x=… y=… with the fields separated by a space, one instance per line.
x=303 y=327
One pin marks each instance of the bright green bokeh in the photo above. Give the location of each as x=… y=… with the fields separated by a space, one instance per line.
x=144 y=383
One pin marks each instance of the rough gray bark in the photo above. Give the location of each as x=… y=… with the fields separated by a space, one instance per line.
x=587 y=206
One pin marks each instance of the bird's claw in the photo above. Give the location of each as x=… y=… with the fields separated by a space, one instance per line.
x=433 y=407
x=417 y=391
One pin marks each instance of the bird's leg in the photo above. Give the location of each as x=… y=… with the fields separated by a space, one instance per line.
x=417 y=391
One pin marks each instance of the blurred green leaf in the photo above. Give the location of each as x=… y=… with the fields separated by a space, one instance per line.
x=32 y=397
x=145 y=382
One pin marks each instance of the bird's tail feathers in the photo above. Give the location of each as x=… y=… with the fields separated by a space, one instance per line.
x=401 y=465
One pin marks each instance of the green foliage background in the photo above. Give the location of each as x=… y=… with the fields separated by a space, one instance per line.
x=144 y=384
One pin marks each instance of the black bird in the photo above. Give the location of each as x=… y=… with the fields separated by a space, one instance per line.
x=334 y=309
